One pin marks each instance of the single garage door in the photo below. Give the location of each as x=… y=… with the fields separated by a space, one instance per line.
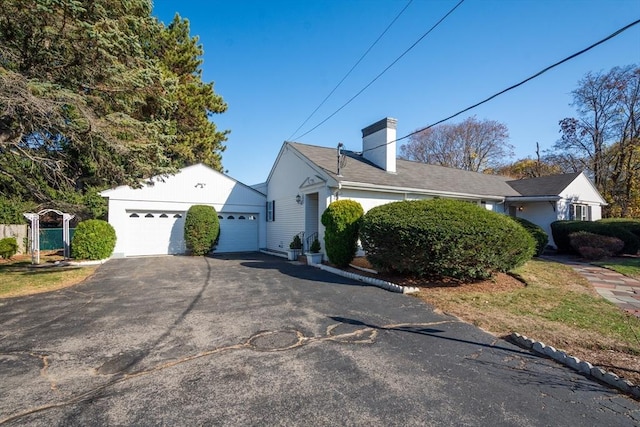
x=155 y=233
x=162 y=233
x=238 y=232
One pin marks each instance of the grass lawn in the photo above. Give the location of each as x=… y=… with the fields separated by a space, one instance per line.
x=624 y=265
x=18 y=278
x=549 y=302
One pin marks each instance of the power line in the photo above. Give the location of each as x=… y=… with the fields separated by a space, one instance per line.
x=383 y=71
x=352 y=68
x=539 y=73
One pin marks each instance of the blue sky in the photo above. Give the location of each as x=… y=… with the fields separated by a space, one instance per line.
x=274 y=62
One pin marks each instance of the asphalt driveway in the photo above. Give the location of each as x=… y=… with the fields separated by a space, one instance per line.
x=256 y=340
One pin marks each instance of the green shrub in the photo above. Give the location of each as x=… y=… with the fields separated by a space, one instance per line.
x=93 y=239
x=443 y=238
x=631 y=225
x=315 y=247
x=296 y=242
x=594 y=246
x=8 y=247
x=538 y=234
x=201 y=229
x=342 y=222
x=562 y=229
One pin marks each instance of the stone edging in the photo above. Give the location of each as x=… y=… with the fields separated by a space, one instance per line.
x=369 y=280
x=576 y=364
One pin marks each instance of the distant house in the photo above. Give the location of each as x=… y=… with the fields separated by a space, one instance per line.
x=305 y=179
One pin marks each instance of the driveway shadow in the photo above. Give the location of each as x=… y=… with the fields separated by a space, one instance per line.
x=292 y=269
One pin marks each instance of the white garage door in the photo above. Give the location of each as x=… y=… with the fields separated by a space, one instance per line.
x=155 y=233
x=238 y=232
x=162 y=233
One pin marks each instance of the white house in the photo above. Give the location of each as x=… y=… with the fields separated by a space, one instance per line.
x=305 y=179
x=150 y=220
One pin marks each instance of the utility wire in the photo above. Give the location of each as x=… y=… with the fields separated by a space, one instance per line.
x=383 y=71
x=351 y=70
x=539 y=73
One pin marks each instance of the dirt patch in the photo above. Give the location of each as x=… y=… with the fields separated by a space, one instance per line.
x=451 y=297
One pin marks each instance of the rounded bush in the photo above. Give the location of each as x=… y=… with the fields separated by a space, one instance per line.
x=562 y=229
x=201 y=229
x=342 y=222
x=443 y=238
x=93 y=239
x=594 y=246
x=539 y=235
x=8 y=247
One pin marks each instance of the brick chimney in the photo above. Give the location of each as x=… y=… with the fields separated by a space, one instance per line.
x=378 y=144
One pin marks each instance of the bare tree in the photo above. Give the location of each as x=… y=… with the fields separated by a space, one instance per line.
x=606 y=134
x=473 y=145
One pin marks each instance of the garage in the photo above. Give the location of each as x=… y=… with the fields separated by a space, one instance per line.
x=150 y=220
x=238 y=232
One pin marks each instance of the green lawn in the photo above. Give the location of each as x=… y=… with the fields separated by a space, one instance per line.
x=624 y=265
x=18 y=278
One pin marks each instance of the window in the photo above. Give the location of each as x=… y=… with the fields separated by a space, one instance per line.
x=271 y=211
x=148 y=215
x=241 y=217
x=134 y=215
x=220 y=217
x=230 y=217
x=164 y=215
x=580 y=212
x=252 y=217
x=177 y=216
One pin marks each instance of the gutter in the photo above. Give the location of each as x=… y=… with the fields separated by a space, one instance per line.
x=406 y=190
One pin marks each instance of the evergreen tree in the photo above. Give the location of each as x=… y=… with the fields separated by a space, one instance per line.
x=96 y=94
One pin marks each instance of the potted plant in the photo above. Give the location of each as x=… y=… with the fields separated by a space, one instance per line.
x=314 y=256
x=295 y=247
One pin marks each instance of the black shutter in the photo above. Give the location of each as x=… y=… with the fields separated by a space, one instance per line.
x=273 y=207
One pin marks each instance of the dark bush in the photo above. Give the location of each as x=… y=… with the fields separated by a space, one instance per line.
x=93 y=239
x=342 y=222
x=201 y=229
x=562 y=229
x=315 y=247
x=539 y=235
x=631 y=225
x=443 y=238
x=296 y=242
x=594 y=246
x=8 y=247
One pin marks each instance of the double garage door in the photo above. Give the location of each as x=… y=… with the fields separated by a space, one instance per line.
x=160 y=233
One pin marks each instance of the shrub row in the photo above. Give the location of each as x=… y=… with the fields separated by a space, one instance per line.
x=562 y=229
x=443 y=238
x=342 y=220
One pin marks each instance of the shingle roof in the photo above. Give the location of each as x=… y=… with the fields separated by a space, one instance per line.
x=551 y=185
x=408 y=174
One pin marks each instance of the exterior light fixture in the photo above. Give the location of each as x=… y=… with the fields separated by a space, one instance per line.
x=299 y=199
x=200 y=185
x=520 y=208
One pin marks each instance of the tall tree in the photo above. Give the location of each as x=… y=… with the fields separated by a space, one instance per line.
x=605 y=135
x=473 y=145
x=97 y=93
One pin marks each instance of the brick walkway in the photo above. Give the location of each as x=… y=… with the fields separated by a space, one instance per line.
x=621 y=290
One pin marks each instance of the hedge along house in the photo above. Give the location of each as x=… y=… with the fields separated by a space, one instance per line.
x=305 y=179
x=150 y=220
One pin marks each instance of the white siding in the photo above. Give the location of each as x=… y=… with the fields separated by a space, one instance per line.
x=288 y=176
x=541 y=214
x=193 y=185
